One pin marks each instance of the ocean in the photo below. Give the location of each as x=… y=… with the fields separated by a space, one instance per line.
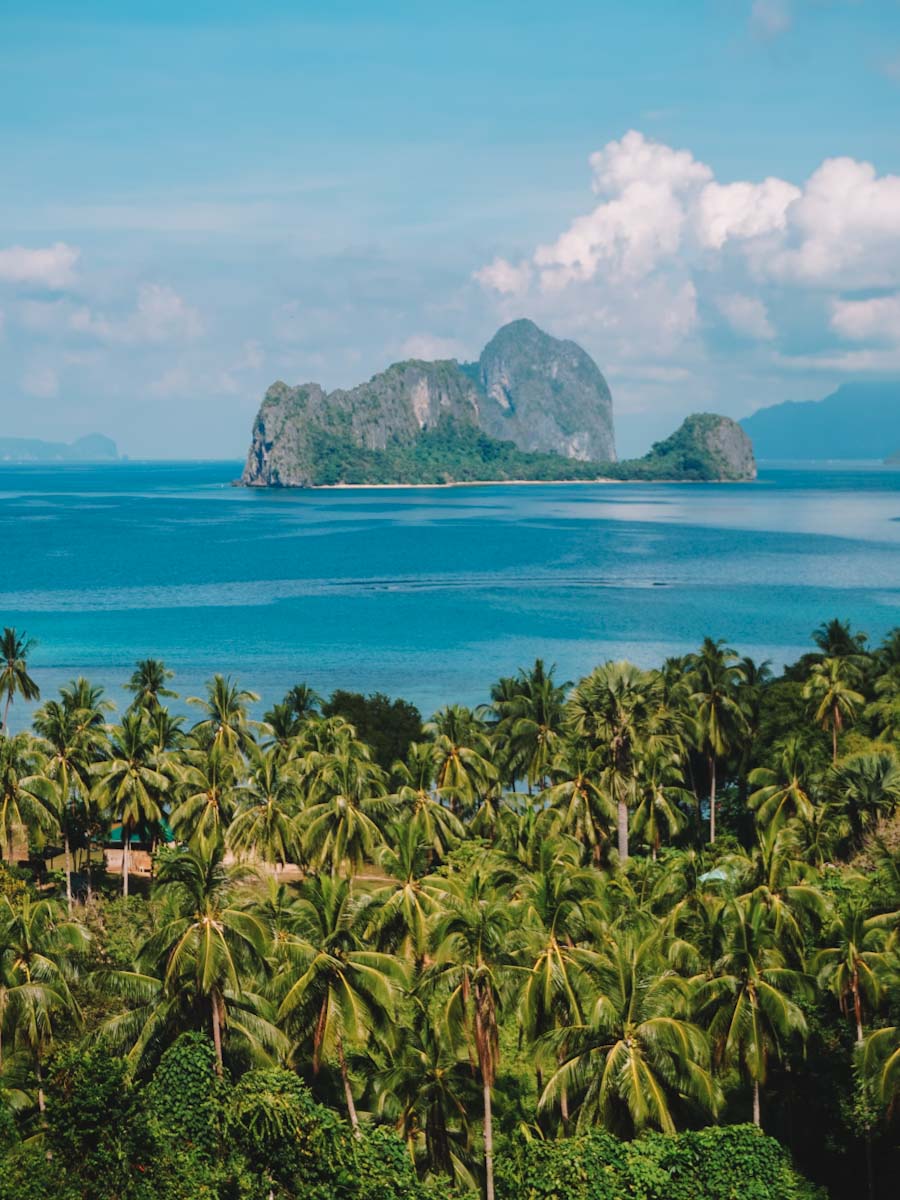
x=430 y=594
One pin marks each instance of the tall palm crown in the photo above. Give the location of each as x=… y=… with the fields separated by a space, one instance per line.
x=714 y=675
x=226 y=721
x=14 y=677
x=635 y=1059
x=529 y=709
x=855 y=967
x=268 y=803
x=831 y=687
x=148 y=684
x=28 y=799
x=783 y=791
x=132 y=782
x=433 y=822
x=620 y=710
x=346 y=798
x=462 y=751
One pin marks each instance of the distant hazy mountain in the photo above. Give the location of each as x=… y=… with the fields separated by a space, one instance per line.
x=92 y=448
x=859 y=420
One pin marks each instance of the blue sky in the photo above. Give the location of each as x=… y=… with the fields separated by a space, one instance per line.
x=200 y=198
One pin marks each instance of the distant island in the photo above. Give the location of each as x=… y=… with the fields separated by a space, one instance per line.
x=532 y=408
x=94 y=447
x=857 y=421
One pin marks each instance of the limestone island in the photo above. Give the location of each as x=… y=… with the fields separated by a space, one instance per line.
x=532 y=408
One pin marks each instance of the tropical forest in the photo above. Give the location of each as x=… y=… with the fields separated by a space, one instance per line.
x=633 y=935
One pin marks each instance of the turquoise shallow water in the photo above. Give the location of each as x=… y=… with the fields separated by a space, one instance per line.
x=430 y=593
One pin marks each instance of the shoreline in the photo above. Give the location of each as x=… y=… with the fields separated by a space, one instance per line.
x=458 y=483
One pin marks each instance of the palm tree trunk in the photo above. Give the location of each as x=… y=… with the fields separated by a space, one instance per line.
x=857 y=1012
x=39 y=1075
x=712 y=799
x=622 y=823
x=488 y=1144
x=68 y=853
x=216 y=1030
x=756 y=1118
x=126 y=854
x=6 y=712
x=348 y=1090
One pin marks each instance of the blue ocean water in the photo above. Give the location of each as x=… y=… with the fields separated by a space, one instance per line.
x=430 y=594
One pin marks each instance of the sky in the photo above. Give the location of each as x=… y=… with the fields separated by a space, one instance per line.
x=200 y=198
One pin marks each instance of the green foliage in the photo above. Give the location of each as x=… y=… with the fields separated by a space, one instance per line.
x=185 y=1096
x=732 y=1163
x=387 y=726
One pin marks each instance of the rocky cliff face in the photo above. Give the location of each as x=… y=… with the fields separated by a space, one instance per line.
x=705 y=446
x=540 y=393
x=545 y=394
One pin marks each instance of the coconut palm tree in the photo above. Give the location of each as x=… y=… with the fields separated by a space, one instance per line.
x=14 y=677
x=577 y=795
x=782 y=791
x=28 y=799
x=719 y=719
x=472 y=958
x=225 y=722
x=38 y=950
x=418 y=803
x=397 y=916
x=205 y=794
x=752 y=1015
x=131 y=781
x=148 y=684
x=462 y=755
x=268 y=802
x=333 y=992
x=209 y=946
x=660 y=792
x=635 y=1056
x=74 y=740
x=346 y=799
x=620 y=711
x=530 y=711
x=837 y=639
x=852 y=968
x=881 y=1063
x=830 y=687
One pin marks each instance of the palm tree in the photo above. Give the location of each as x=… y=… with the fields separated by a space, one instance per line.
x=720 y=721
x=14 y=677
x=577 y=796
x=831 y=688
x=432 y=822
x=660 y=791
x=28 y=800
x=881 y=1062
x=226 y=722
x=399 y=913
x=635 y=1055
x=620 y=711
x=530 y=711
x=462 y=754
x=148 y=684
x=472 y=957
x=37 y=951
x=264 y=821
x=748 y=999
x=209 y=946
x=333 y=991
x=132 y=782
x=853 y=966
x=73 y=740
x=836 y=639
x=205 y=794
x=782 y=791
x=346 y=798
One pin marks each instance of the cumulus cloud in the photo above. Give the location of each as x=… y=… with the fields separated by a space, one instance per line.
x=46 y=267
x=503 y=277
x=747 y=316
x=877 y=319
x=159 y=315
x=668 y=242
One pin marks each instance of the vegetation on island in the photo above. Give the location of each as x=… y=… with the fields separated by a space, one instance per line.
x=636 y=936
x=455 y=451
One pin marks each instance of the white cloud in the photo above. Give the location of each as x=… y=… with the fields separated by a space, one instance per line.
x=41 y=381
x=160 y=315
x=747 y=316
x=743 y=210
x=770 y=18
x=430 y=348
x=48 y=266
x=505 y=278
x=877 y=319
